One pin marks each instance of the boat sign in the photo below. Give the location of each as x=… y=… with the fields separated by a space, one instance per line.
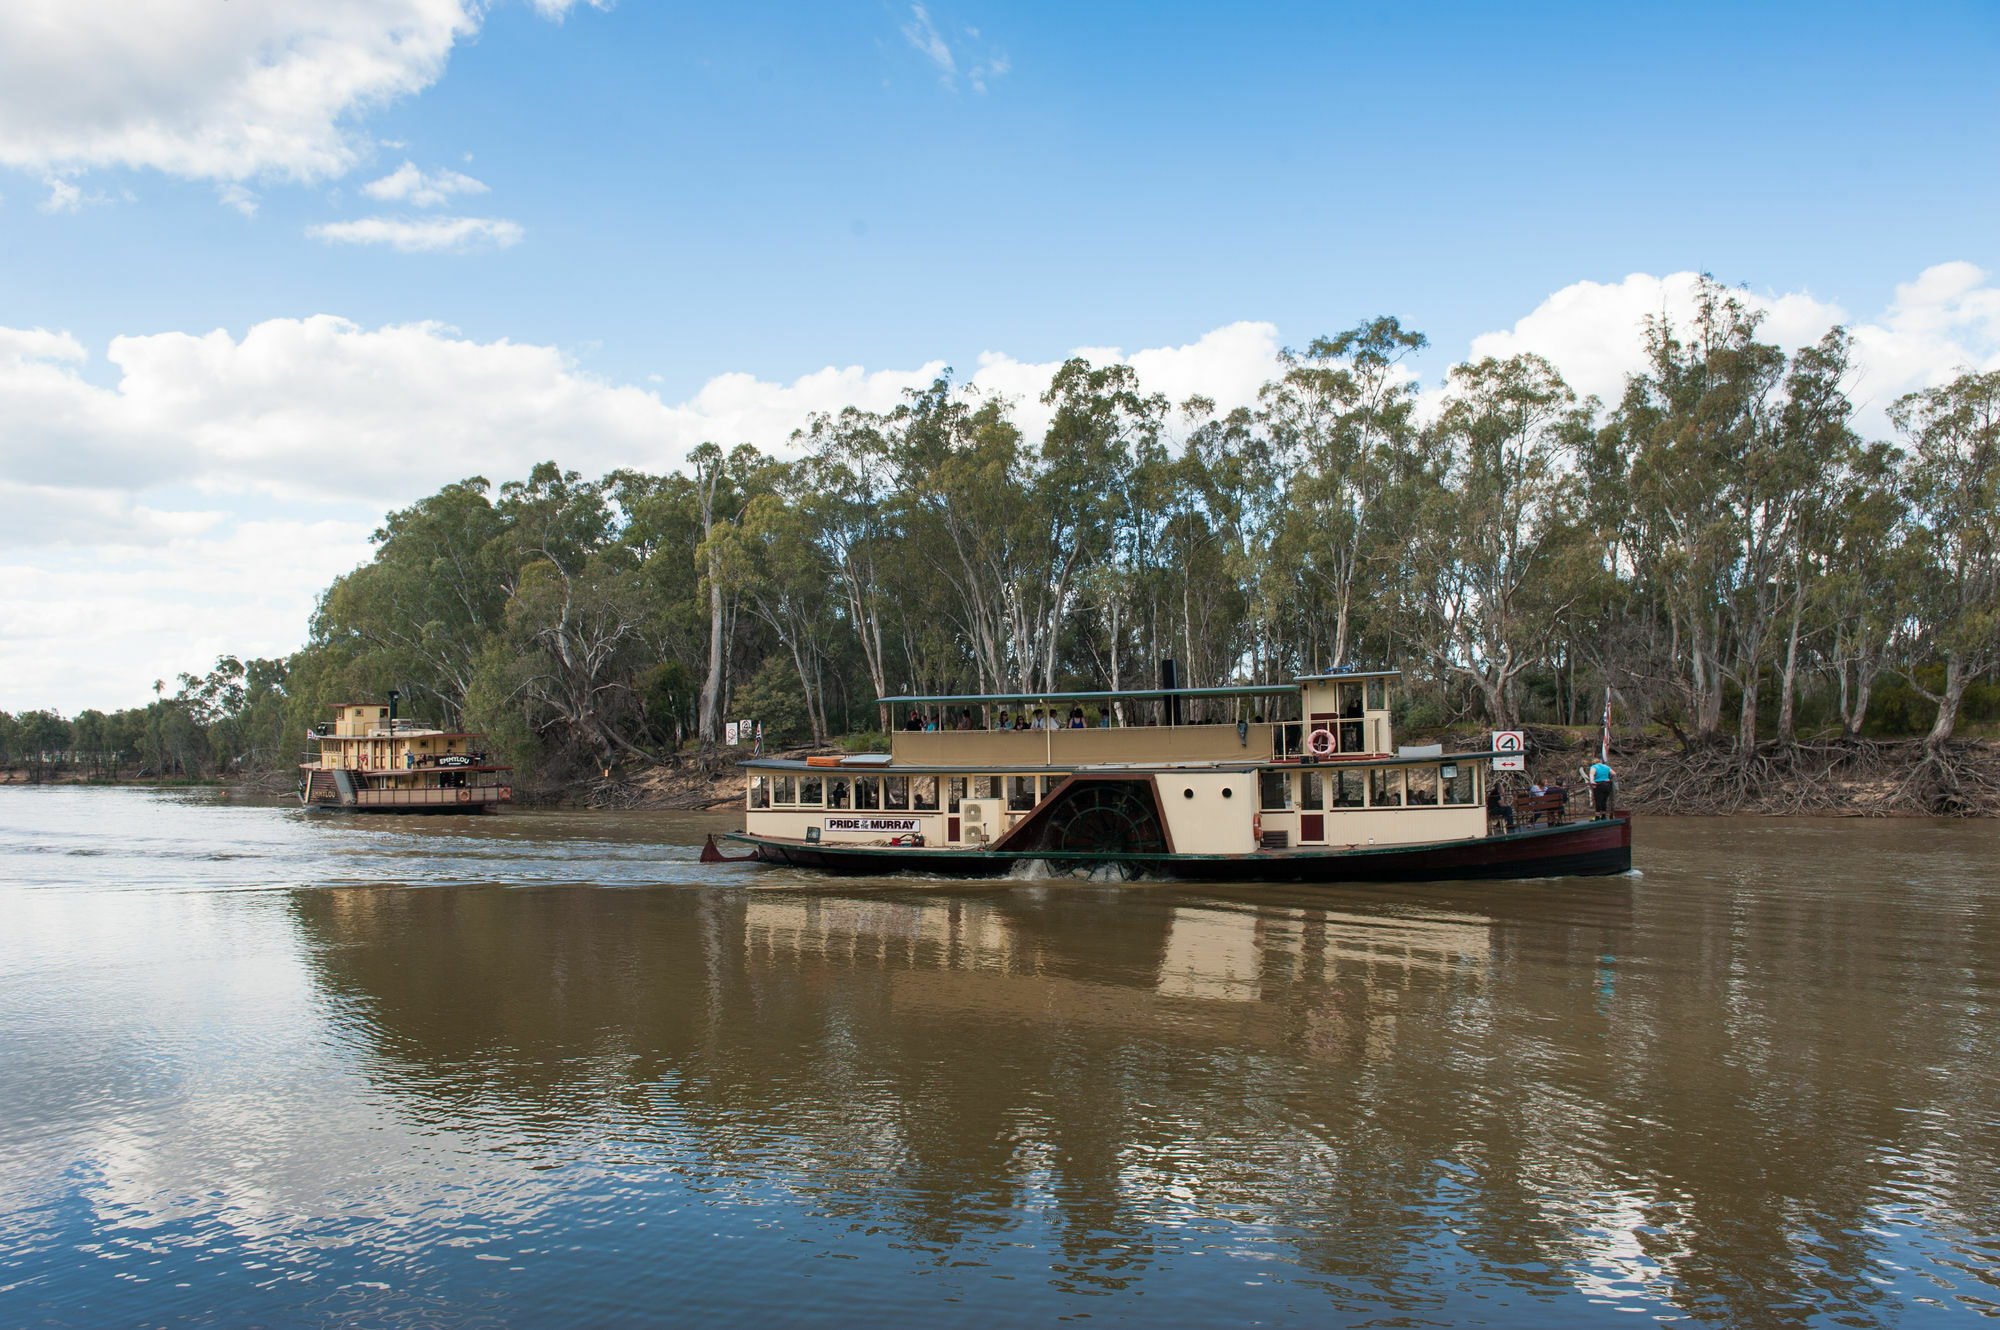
x=871 y=824
x=1509 y=750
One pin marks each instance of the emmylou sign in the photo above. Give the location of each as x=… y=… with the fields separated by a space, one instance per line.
x=871 y=824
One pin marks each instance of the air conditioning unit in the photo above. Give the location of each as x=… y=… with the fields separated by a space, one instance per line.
x=983 y=820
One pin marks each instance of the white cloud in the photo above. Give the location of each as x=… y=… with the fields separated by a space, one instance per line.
x=421 y=235
x=197 y=501
x=406 y=184
x=217 y=91
x=922 y=34
x=1949 y=318
x=233 y=195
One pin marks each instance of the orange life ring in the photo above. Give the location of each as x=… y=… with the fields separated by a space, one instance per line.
x=1319 y=749
x=1256 y=829
x=506 y=795
x=465 y=796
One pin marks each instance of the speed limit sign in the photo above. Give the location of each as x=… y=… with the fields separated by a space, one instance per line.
x=1509 y=750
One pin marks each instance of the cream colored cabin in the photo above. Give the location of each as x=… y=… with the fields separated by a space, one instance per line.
x=1327 y=777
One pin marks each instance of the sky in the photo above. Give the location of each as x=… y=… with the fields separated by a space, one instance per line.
x=270 y=270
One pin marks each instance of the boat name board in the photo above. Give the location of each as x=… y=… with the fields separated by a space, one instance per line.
x=871 y=824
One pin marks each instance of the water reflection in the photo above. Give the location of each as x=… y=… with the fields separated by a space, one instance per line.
x=1647 y=1104
x=261 y=1068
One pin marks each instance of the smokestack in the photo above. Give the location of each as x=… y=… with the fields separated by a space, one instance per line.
x=394 y=697
x=1169 y=680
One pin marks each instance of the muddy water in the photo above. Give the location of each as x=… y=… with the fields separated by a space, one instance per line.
x=264 y=1067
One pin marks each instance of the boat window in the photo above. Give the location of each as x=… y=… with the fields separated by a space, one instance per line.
x=867 y=792
x=1312 y=791
x=1274 y=789
x=1020 y=793
x=1346 y=788
x=809 y=790
x=954 y=793
x=787 y=791
x=1385 y=787
x=1377 y=695
x=760 y=793
x=1350 y=699
x=1457 y=782
x=986 y=787
x=923 y=794
x=1423 y=785
x=895 y=791
x=1053 y=779
x=838 y=792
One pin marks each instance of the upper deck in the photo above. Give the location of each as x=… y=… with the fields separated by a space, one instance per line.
x=1148 y=727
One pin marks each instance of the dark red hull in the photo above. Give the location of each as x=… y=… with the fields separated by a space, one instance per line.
x=1580 y=849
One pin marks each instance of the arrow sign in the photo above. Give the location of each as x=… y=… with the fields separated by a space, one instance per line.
x=1509 y=750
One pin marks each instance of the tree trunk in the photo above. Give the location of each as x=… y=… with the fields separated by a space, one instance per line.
x=1955 y=679
x=1788 y=689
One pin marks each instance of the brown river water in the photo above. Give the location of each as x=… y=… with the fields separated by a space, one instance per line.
x=264 y=1067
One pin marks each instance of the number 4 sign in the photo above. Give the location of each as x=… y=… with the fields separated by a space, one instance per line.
x=1509 y=750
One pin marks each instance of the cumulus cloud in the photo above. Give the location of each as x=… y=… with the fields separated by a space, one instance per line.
x=213 y=91
x=406 y=184
x=1946 y=320
x=421 y=235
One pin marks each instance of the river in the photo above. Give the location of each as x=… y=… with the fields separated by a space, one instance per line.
x=259 y=1066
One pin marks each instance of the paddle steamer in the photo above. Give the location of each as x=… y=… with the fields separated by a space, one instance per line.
x=368 y=760
x=1144 y=790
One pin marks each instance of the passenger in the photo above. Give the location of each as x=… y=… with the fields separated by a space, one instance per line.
x=1076 y=718
x=915 y=722
x=965 y=721
x=1104 y=718
x=1005 y=722
x=1496 y=807
x=1601 y=776
x=930 y=726
x=1040 y=722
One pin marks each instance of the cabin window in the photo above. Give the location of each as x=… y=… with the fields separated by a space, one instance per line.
x=760 y=793
x=895 y=791
x=787 y=791
x=809 y=790
x=986 y=787
x=867 y=792
x=1053 y=779
x=1312 y=791
x=839 y=792
x=954 y=790
x=1385 y=788
x=1346 y=788
x=1457 y=782
x=1378 y=695
x=1350 y=699
x=1274 y=790
x=1423 y=785
x=1020 y=793
x=382 y=712
x=923 y=794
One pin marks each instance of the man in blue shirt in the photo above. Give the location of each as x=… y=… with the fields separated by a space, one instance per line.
x=1601 y=776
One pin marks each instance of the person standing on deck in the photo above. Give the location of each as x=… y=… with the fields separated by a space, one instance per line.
x=1601 y=778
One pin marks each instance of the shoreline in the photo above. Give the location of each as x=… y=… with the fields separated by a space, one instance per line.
x=1821 y=778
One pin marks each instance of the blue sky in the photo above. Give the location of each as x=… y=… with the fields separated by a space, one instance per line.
x=777 y=189
x=674 y=220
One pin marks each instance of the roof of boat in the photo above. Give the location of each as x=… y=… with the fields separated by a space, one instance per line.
x=849 y=766
x=1136 y=694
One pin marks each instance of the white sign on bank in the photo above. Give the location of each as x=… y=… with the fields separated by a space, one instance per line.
x=871 y=824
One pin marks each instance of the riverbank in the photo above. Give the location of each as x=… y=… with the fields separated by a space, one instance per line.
x=1821 y=777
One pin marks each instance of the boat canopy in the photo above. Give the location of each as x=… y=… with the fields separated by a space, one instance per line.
x=1111 y=695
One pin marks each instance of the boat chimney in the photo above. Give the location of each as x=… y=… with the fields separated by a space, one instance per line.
x=394 y=697
x=1170 y=680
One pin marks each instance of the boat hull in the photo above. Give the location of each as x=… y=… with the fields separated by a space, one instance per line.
x=1600 y=848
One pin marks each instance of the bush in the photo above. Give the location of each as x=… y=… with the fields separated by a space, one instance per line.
x=774 y=697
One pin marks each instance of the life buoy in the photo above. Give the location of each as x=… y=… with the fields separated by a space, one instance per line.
x=506 y=795
x=1256 y=828
x=1321 y=743
x=465 y=796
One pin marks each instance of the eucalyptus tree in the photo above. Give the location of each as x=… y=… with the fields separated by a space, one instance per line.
x=1954 y=493
x=849 y=495
x=1690 y=423
x=421 y=609
x=1864 y=591
x=1497 y=547
x=1334 y=419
